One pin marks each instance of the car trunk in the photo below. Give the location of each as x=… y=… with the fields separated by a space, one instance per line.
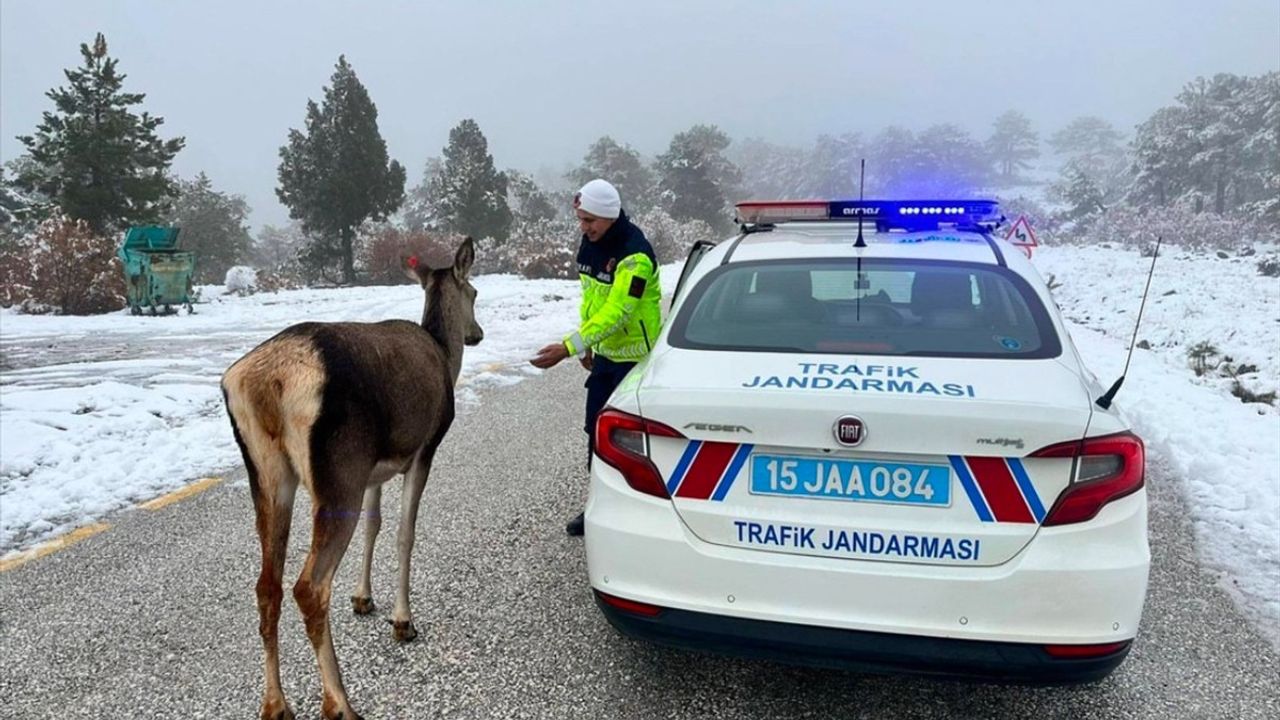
x=941 y=475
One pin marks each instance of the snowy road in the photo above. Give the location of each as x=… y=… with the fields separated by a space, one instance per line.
x=155 y=618
x=103 y=413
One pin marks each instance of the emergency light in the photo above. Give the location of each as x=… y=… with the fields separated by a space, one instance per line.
x=909 y=215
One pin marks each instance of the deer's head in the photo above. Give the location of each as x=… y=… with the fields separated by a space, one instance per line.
x=451 y=299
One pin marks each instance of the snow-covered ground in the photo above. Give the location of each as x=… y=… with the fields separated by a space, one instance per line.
x=1226 y=452
x=134 y=410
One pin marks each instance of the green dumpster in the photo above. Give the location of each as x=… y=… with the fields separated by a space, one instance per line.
x=157 y=274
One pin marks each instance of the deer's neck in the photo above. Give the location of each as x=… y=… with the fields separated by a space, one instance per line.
x=446 y=328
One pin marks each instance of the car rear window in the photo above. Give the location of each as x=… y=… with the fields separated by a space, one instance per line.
x=882 y=307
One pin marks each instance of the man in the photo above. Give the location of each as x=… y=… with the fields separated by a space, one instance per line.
x=620 y=315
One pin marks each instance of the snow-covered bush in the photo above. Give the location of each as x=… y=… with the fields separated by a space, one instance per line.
x=1269 y=266
x=1203 y=357
x=382 y=246
x=241 y=280
x=15 y=272
x=1176 y=225
x=62 y=267
x=549 y=248
x=536 y=249
x=1044 y=221
x=671 y=238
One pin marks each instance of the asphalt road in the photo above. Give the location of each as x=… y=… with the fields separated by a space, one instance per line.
x=156 y=617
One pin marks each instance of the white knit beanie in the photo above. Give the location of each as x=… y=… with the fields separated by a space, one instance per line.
x=599 y=198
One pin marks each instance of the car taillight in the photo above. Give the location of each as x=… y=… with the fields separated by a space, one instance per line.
x=622 y=440
x=1107 y=468
x=1082 y=652
x=631 y=606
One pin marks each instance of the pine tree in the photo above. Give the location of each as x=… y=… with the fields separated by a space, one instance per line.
x=835 y=165
x=1217 y=148
x=92 y=156
x=213 y=225
x=276 y=248
x=1081 y=195
x=1013 y=145
x=695 y=179
x=1161 y=148
x=891 y=163
x=528 y=203
x=20 y=212
x=941 y=161
x=772 y=171
x=469 y=194
x=620 y=165
x=1087 y=137
x=336 y=174
x=421 y=208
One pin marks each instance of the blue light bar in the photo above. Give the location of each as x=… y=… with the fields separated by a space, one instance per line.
x=910 y=215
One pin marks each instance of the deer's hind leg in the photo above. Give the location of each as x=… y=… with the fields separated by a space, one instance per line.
x=362 y=600
x=338 y=480
x=273 y=485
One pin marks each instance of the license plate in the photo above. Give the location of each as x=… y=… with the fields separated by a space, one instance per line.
x=855 y=480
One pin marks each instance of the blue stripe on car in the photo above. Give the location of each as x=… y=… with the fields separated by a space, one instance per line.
x=683 y=466
x=970 y=488
x=1028 y=489
x=735 y=465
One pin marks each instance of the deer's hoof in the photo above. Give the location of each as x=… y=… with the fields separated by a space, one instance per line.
x=361 y=605
x=403 y=630
x=336 y=711
x=276 y=711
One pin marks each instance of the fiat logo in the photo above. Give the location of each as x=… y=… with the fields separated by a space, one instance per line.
x=849 y=431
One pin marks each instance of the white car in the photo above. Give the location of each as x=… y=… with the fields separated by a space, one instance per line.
x=870 y=447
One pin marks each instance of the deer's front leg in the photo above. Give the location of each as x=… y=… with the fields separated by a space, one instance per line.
x=362 y=600
x=414 y=482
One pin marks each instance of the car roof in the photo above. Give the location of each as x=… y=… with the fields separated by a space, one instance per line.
x=797 y=241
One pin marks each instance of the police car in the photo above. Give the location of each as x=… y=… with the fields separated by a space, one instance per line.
x=864 y=439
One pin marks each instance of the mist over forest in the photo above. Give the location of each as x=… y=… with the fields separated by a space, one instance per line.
x=95 y=152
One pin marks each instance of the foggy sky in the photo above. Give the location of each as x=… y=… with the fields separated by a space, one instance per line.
x=545 y=79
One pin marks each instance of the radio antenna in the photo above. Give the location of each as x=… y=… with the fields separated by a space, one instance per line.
x=860 y=243
x=1104 y=402
x=862 y=179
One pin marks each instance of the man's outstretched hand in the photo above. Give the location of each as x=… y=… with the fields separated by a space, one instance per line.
x=550 y=356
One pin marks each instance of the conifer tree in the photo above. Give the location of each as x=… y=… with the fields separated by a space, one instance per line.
x=528 y=202
x=92 y=156
x=696 y=181
x=213 y=226
x=469 y=195
x=1013 y=145
x=335 y=175
x=620 y=165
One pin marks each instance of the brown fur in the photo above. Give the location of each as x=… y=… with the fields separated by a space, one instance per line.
x=341 y=408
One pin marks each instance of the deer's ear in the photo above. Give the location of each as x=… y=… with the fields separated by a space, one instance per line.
x=463 y=260
x=413 y=268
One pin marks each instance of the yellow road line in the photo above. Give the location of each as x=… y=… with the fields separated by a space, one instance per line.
x=194 y=488
x=59 y=543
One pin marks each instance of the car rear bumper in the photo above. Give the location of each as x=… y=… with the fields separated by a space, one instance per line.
x=1072 y=585
x=858 y=650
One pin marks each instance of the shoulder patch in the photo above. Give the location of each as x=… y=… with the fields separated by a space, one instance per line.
x=637 y=287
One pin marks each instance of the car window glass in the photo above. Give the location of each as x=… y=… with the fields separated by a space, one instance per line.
x=888 y=307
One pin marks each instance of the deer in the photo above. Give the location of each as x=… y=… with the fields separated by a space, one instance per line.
x=341 y=408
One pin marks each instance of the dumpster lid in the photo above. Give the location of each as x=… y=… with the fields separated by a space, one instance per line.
x=151 y=237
